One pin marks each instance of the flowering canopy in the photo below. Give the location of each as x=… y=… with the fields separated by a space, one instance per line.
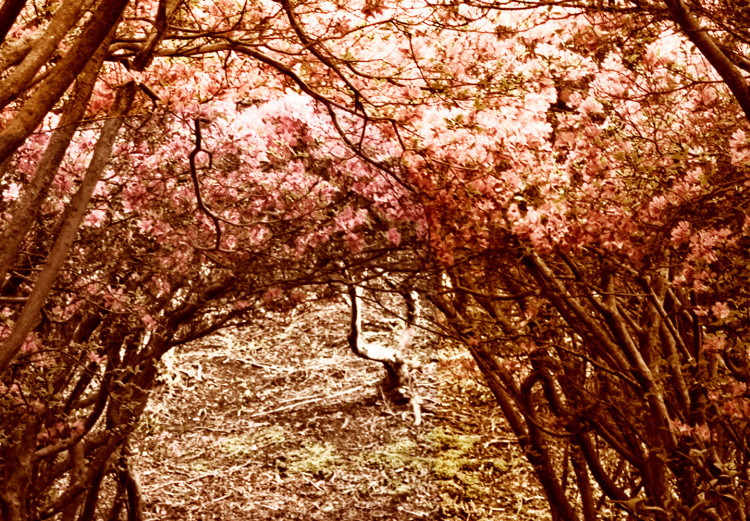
x=577 y=171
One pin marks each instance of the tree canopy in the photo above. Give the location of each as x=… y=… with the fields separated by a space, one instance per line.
x=565 y=181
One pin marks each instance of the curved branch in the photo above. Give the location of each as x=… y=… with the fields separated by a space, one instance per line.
x=312 y=47
x=731 y=75
x=196 y=184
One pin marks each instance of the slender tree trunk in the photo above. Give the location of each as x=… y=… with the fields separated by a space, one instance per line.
x=17 y=81
x=33 y=111
x=71 y=221
x=397 y=373
x=30 y=203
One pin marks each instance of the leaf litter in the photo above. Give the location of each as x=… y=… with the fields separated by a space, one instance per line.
x=279 y=420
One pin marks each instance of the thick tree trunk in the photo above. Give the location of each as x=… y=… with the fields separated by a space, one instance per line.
x=9 y=11
x=15 y=477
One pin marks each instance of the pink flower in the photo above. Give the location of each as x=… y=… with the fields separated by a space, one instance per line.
x=513 y=213
x=590 y=106
x=95 y=218
x=715 y=344
x=394 y=236
x=96 y=358
x=298 y=296
x=720 y=310
x=12 y=192
x=681 y=233
x=149 y=321
x=271 y=295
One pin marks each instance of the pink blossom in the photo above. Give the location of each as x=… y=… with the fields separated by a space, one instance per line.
x=298 y=296
x=715 y=344
x=394 y=236
x=406 y=337
x=30 y=345
x=590 y=106
x=271 y=295
x=12 y=192
x=95 y=218
x=77 y=428
x=151 y=324
x=681 y=233
x=702 y=432
x=96 y=358
x=678 y=427
x=739 y=147
x=514 y=213
x=720 y=310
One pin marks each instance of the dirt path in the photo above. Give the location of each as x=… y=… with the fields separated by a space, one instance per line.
x=281 y=421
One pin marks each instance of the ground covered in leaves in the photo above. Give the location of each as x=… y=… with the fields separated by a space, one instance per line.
x=281 y=421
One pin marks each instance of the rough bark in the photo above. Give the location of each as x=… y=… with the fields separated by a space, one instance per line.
x=48 y=93
x=30 y=203
x=71 y=221
x=18 y=80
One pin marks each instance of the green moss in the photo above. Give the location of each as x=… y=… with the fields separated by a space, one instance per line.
x=199 y=467
x=461 y=475
x=269 y=436
x=245 y=444
x=316 y=459
x=398 y=455
x=449 y=465
x=237 y=446
x=442 y=440
x=499 y=464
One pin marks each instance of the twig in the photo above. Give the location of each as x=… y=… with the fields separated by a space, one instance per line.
x=184 y=481
x=416 y=406
x=222 y=497
x=305 y=402
x=201 y=476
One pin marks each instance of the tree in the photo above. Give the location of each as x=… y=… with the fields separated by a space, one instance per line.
x=574 y=173
x=605 y=309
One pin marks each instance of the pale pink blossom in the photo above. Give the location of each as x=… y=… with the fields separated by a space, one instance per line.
x=271 y=295
x=151 y=324
x=95 y=218
x=394 y=236
x=681 y=233
x=12 y=192
x=720 y=310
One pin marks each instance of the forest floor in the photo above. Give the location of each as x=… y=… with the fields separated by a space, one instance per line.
x=281 y=421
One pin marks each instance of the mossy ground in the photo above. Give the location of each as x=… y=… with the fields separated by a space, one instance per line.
x=281 y=421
